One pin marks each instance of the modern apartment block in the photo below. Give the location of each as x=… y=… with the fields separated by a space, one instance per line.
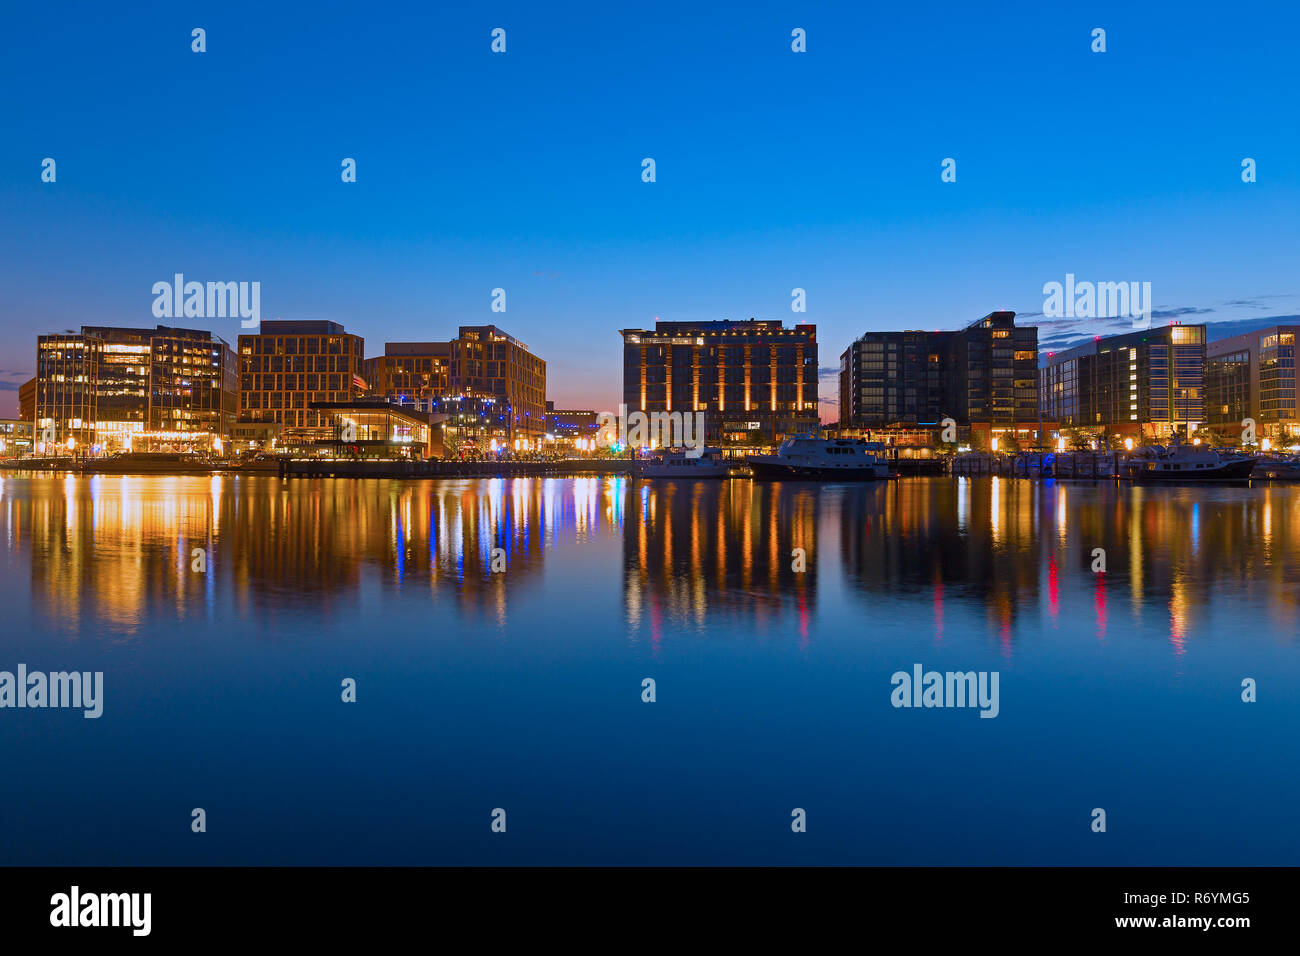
x=286 y=366
x=893 y=378
x=487 y=363
x=413 y=374
x=984 y=377
x=995 y=372
x=754 y=380
x=1148 y=384
x=1252 y=375
x=112 y=389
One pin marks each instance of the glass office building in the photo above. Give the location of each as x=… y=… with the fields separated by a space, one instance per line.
x=1253 y=376
x=1148 y=384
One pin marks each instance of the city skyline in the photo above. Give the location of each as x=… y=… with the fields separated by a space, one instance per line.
x=478 y=171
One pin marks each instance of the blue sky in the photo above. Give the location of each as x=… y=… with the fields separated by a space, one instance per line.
x=775 y=170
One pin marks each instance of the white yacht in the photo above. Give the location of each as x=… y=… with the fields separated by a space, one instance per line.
x=676 y=463
x=1180 y=462
x=805 y=458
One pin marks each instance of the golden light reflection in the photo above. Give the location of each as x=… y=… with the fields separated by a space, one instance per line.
x=718 y=548
x=112 y=553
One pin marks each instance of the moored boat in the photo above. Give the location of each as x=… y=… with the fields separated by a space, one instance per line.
x=804 y=458
x=1180 y=462
x=676 y=463
x=1276 y=469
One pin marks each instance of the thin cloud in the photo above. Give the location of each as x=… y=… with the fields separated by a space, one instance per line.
x=1176 y=313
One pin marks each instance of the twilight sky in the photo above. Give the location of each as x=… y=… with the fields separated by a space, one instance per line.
x=775 y=169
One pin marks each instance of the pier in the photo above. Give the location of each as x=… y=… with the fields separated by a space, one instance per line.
x=1086 y=465
x=341 y=468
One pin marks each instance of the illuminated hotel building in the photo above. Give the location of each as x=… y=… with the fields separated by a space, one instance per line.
x=1252 y=375
x=1148 y=384
x=754 y=380
x=287 y=365
x=410 y=373
x=487 y=364
x=112 y=389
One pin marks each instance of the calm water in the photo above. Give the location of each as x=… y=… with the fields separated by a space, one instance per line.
x=522 y=690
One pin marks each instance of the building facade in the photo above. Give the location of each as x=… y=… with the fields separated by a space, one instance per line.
x=569 y=423
x=754 y=381
x=371 y=428
x=27 y=400
x=487 y=363
x=984 y=377
x=286 y=366
x=111 y=389
x=893 y=378
x=1252 y=376
x=410 y=373
x=995 y=372
x=67 y=368
x=16 y=436
x=1148 y=384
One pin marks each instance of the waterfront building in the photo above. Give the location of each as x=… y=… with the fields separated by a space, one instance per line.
x=1148 y=384
x=110 y=389
x=487 y=363
x=477 y=427
x=287 y=366
x=1252 y=375
x=567 y=424
x=67 y=367
x=376 y=429
x=754 y=381
x=984 y=377
x=15 y=437
x=255 y=437
x=893 y=378
x=410 y=373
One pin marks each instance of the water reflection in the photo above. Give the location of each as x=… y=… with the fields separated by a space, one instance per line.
x=695 y=552
x=1028 y=550
x=105 y=553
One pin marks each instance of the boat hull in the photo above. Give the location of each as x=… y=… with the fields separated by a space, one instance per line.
x=1231 y=471
x=685 y=474
x=1276 y=473
x=776 y=470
